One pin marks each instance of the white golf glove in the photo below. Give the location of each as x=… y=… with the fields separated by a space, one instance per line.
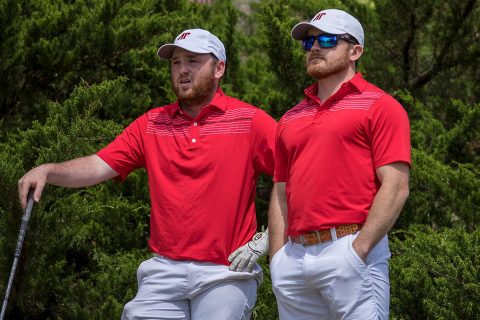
x=244 y=258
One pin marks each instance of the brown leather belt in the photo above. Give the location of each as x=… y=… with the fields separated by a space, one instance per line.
x=319 y=236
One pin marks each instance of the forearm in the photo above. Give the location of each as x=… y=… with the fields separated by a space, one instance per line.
x=277 y=218
x=80 y=172
x=385 y=209
x=384 y=212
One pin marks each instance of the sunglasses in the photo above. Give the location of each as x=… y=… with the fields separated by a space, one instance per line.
x=326 y=40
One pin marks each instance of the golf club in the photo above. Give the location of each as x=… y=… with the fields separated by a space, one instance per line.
x=18 y=249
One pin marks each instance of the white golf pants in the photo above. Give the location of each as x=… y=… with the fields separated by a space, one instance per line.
x=330 y=281
x=191 y=290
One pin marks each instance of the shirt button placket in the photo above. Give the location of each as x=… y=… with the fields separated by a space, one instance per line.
x=194 y=132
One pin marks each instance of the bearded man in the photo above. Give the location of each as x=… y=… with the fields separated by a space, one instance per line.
x=341 y=179
x=202 y=155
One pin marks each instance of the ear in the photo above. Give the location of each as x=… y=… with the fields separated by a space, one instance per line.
x=355 y=52
x=219 y=69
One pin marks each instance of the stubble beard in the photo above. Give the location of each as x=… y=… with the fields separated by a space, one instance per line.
x=200 y=91
x=325 y=69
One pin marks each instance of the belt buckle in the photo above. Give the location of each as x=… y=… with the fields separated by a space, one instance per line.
x=311 y=242
x=302 y=240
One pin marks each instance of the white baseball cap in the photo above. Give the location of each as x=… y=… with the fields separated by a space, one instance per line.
x=197 y=41
x=331 y=21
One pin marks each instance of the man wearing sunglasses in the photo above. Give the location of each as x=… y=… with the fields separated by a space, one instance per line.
x=341 y=179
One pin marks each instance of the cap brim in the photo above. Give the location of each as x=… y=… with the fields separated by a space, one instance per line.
x=166 y=51
x=300 y=30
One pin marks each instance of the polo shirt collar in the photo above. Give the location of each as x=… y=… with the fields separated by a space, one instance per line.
x=357 y=83
x=219 y=102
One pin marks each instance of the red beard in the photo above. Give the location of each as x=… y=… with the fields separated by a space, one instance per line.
x=200 y=91
x=325 y=68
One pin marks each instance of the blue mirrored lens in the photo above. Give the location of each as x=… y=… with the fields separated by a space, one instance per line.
x=327 y=41
x=308 y=43
x=324 y=41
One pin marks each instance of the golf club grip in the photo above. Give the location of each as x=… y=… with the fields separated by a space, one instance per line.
x=24 y=225
x=28 y=209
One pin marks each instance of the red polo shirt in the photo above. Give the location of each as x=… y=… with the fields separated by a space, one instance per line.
x=202 y=174
x=327 y=153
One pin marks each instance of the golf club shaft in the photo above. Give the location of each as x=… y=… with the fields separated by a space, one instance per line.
x=18 y=250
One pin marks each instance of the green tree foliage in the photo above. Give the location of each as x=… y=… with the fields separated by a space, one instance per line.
x=436 y=274
x=427 y=46
x=75 y=73
x=445 y=180
x=441 y=195
x=77 y=237
x=50 y=46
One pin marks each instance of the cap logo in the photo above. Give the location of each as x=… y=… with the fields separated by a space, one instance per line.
x=319 y=16
x=183 y=36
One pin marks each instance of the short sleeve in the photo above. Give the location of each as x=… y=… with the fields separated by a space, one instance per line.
x=126 y=152
x=389 y=132
x=281 y=157
x=263 y=129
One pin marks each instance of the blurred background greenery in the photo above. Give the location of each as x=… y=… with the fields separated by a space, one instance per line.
x=75 y=73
